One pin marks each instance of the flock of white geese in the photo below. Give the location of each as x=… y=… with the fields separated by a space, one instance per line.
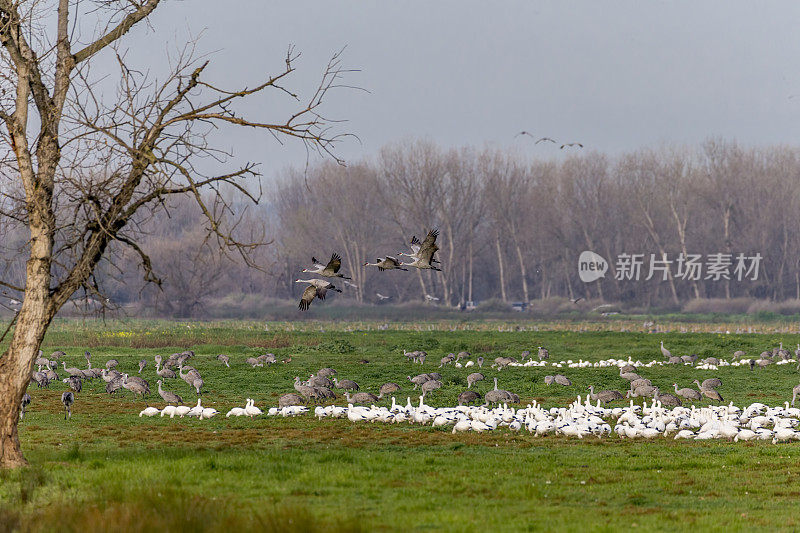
x=580 y=419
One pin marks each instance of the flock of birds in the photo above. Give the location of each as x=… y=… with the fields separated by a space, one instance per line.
x=549 y=140
x=46 y=373
x=665 y=415
x=422 y=256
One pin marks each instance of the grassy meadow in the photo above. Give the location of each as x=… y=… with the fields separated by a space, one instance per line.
x=106 y=468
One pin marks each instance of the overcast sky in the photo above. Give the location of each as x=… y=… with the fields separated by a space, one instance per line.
x=615 y=76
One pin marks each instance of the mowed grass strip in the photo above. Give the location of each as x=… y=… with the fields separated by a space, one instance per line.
x=111 y=469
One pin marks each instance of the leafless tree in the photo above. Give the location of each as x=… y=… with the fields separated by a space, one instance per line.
x=85 y=173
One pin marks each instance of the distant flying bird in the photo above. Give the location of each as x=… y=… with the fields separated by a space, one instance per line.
x=331 y=270
x=545 y=139
x=576 y=300
x=317 y=288
x=381 y=297
x=579 y=145
x=387 y=263
x=523 y=132
x=431 y=298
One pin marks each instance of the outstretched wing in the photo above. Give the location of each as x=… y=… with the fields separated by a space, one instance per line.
x=308 y=297
x=415 y=244
x=334 y=264
x=426 y=254
x=392 y=261
x=317 y=264
x=430 y=239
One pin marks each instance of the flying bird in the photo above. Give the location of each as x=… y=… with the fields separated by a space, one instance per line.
x=420 y=249
x=431 y=298
x=579 y=145
x=317 y=288
x=331 y=270
x=422 y=252
x=381 y=297
x=387 y=263
x=545 y=139
x=576 y=300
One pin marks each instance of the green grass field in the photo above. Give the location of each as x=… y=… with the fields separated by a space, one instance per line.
x=107 y=469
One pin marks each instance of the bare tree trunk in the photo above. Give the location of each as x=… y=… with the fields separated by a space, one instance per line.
x=680 y=224
x=16 y=364
x=522 y=272
x=726 y=223
x=470 y=272
x=501 y=270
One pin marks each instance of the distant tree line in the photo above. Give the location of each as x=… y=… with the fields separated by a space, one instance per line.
x=511 y=229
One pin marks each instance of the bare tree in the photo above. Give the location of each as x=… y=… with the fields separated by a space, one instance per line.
x=87 y=173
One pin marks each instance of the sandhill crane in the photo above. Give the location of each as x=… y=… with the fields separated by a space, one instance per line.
x=431 y=298
x=388 y=388
x=74 y=383
x=424 y=262
x=360 y=397
x=666 y=399
x=468 y=396
x=254 y=362
x=142 y=365
x=168 y=396
x=67 y=399
x=136 y=385
x=480 y=361
x=795 y=392
x=688 y=393
x=114 y=385
x=666 y=353
x=347 y=384
x=331 y=270
x=317 y=288
x=430 y=386
x=88 y=357
x=41 y=379
x=381 y=297
x=26 y=401
x=224 y=359
x=290 y=399
x=543 y=354
x=709 y=393
x=474 y=378
x=422 y=252
x=417 y=247
x=111 y=363
x=58 y=354
x=326 y=372
x=641 y=390
x=72 y=371
x=605 y=396
x=165 y=372
x=549 y=380
x=319 y=381
x=562 y=380
x=569 y=145
x=386 y=263
x=419 y=379
x=710 y=383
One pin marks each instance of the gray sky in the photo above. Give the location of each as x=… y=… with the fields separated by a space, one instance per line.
x=614 y=75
